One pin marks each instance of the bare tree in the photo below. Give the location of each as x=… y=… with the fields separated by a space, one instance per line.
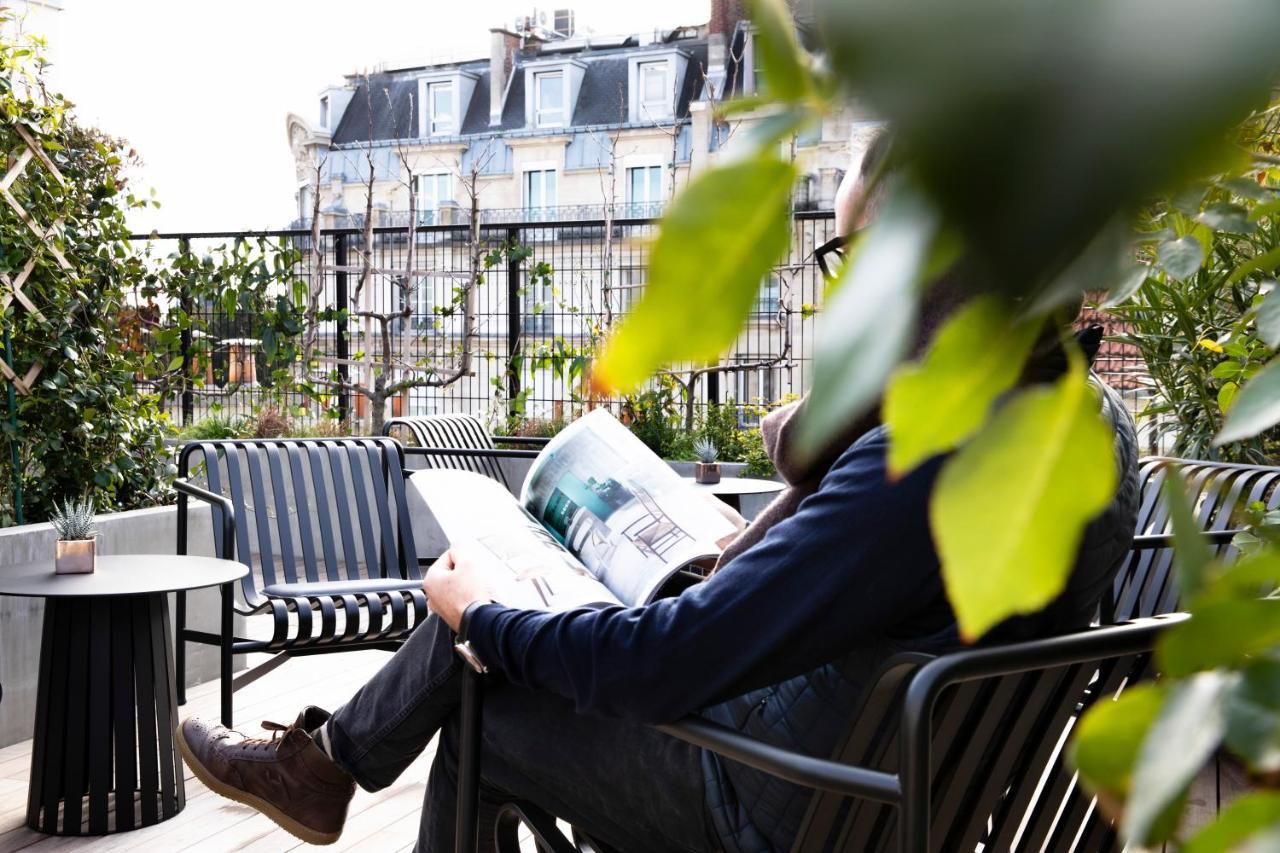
x=386 y=370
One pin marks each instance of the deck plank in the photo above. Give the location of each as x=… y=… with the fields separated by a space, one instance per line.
x=386 y=820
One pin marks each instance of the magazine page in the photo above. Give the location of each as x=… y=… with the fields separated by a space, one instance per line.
x=523 y=566
x=619 y=508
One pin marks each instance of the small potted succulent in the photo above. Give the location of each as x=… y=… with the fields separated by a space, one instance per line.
x=77 y=547
x=706 y=470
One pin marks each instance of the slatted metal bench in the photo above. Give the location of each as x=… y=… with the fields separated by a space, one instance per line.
x=324 y=526
x=461 y=442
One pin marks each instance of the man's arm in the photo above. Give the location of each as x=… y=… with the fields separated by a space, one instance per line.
x=855 y=560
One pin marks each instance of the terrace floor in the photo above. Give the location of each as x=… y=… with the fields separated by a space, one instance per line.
x=385 y=821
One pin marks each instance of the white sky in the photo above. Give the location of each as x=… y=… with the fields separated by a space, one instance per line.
x=201 y=89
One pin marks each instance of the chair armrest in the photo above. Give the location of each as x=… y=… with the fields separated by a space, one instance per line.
x=527 y=440
x=786 y=764
x=1155 y=541
x=187 y=488
x=482 y=452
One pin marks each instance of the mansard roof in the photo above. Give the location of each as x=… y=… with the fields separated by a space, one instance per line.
x=385 y=105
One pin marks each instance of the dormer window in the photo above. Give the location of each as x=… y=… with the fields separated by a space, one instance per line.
x=652 y=80
x=548 y=105
x=443 y=99
x=324 y=113
x=440 y=104
x=656 y=94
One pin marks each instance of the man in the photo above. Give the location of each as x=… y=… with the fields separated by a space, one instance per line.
x=778 y=643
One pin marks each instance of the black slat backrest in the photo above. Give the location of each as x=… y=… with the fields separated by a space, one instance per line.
x=1220 y=491
x=310 y=509
x=991 y=741
x=450 y=432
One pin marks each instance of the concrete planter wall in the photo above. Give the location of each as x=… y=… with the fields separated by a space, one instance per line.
x=144 y=531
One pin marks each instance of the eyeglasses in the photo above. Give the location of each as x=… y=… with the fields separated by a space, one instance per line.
x=830 y=256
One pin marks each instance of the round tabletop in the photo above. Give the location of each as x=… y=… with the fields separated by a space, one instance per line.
x=124 y=574
x=739 y=486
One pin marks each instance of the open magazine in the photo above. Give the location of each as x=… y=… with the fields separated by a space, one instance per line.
x=601 y=520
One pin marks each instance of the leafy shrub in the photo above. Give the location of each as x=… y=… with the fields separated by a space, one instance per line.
x=214 y=427
x=86 y=429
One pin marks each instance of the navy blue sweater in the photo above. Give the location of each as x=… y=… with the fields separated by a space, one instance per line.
x=855 y=562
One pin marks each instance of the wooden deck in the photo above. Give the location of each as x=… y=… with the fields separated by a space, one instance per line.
x=385 y=821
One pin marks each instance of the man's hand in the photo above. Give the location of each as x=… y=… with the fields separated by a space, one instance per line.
x=452 y=585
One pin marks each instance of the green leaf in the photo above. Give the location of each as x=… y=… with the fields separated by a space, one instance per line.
x=175 y=363
x=1266 y=262
x=1267 y=318
x=1226 y=395
x=786 y=77
x=1231 y=218
x=1192 y=555
x=1105 y=744
x=1220 y=634
x=1255 y=408
x=934 y=404
x=869 y=318
x=1181 y=258
x=718 y=240
x=1253 y=716
x=1000 y=106
x=1180 y=740
x=1010 y=507
x=1127 y=286
x=1243 y=819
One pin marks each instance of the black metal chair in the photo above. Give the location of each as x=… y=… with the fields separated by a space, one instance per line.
x=323 y=524
x=1001 y=779
x=460 y=442
x=1219 y=492
x=945 y=754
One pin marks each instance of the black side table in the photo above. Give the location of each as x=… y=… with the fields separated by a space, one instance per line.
x=103 y=757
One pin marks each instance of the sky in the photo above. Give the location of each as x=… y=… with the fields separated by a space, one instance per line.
x=201 y=89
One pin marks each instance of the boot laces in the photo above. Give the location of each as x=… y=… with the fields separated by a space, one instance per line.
x=279 y=731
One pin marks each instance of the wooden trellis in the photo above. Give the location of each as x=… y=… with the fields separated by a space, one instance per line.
x=11 y=288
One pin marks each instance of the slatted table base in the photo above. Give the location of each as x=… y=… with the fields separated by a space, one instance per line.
x=103 y=758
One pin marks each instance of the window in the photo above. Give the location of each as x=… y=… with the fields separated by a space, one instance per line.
x=767 y=299
x=644 y=191
x=440 y=107
x=655 y=90
x=538 y=305
x=304 y=203
x=433 y=191
x=434 y=310
x=539 y=193
x=324 y=112
x=755 y=387
x=548 y=104
x=631 y=282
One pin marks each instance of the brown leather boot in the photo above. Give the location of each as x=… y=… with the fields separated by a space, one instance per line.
x=287 y=777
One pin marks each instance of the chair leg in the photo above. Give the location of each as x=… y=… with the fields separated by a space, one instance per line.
x=467 y=829
x=180 y=653
x=225 y=639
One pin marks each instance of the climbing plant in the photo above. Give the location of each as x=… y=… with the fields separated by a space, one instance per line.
x=81 y=427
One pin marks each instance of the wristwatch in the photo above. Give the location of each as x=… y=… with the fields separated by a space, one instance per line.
x=462 y=646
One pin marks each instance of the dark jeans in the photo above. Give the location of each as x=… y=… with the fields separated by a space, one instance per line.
x=624 y=784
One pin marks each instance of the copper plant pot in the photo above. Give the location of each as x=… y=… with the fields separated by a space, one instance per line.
x=76 y=556
x=706 y=473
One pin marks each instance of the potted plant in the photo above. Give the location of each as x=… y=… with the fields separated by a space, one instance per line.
x=706 y=470
x=77 y=547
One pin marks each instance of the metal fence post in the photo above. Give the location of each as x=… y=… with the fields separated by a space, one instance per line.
x=341 y=346
x=513 y=321
x=184 y=341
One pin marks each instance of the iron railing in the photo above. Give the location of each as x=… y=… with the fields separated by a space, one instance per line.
x=528 y=337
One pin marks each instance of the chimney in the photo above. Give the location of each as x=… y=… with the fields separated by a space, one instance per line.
x=725 y=15
x=503 y=45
